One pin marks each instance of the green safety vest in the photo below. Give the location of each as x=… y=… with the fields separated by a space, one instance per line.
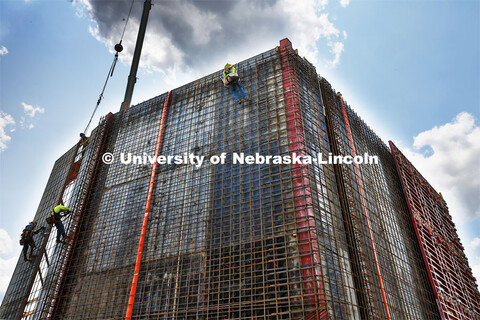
x=226 y=73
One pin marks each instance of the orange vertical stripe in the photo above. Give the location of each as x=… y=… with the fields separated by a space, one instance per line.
x=147 y=212
x=365 y=207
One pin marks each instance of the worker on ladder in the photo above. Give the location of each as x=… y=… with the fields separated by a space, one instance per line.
x=26 y=239
x=56 y=218
x=230 y=78
x=83 y=142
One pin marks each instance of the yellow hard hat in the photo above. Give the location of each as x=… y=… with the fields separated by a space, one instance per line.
x=228 y=65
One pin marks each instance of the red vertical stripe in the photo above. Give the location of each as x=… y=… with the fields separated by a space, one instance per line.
x=364 y=206
x=307 y=232
x=147 y=212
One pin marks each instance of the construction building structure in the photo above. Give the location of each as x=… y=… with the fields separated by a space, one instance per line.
x=238 y=241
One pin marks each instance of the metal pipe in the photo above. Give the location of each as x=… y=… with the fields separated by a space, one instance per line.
x=133 y=289
x=132 y=78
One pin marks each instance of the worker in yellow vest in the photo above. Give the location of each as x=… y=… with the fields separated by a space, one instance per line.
x=83 y=142
x=232 y=80
x=57 y=214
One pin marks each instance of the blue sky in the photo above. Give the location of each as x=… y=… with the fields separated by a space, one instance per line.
x=411 y=69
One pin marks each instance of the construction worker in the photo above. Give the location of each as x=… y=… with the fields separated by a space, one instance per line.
x=231 y=79
x=27 y=239
x=83 y=142
x=57 y=214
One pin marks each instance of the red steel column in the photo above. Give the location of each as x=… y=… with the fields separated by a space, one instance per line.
x=357 y=173
x=147 y=212
x=307 y=232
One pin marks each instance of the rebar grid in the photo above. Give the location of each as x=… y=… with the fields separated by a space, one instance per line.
x=23 y=291
x=232 y=241
x=407 y=290
x=452 y=280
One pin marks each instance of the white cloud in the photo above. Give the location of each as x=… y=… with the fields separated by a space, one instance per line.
x=345 y=35
x=336 y=48
x=321 y=4
x=344 y=3
x=447 y=156
x=202 y=23
x=327 y=29
x=3 y=51
x=212 y=31
x=5 y=120
x=476 y=269
x=7 y=266
x=5 y=242
x=307 y=25
x=26 y=123
x=31 y=110
x=82 y=8
x=158 y=53
x=475 y=243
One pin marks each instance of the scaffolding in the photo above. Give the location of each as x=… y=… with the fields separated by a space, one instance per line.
x=229 y=241
x=454 y=286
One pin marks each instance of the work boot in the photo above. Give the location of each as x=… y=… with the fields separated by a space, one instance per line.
x=239 y=101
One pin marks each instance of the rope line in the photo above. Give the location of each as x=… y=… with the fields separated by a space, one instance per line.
x=128 y=17
x=110 y=72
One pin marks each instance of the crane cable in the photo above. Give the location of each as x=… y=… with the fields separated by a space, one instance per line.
x=128 y=17
x=110 y=73
x=118 y=48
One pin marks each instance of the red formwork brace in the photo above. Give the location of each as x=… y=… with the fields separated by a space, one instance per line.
x=307 y=232
x=395 y=154
x=88 y=179
x=71 y=176
x=431 y=239
x=357 y=173
x=133 y=289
